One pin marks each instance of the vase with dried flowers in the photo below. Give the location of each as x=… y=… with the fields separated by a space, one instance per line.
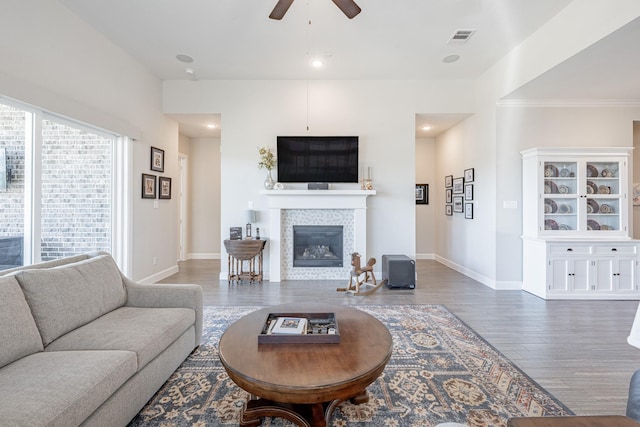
x=267 y=161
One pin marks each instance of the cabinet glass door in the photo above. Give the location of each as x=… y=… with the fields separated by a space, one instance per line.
x=560 y=196
x=603 y=196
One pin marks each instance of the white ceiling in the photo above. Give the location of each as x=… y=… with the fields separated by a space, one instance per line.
x=607 y=70
x=235 y=39
x=197 y=125
x=437 y=123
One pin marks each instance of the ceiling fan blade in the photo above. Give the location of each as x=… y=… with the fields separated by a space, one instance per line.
x=280 y=9
x=348 y=7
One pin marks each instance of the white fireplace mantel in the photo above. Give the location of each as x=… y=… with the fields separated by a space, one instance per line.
x=280 y=200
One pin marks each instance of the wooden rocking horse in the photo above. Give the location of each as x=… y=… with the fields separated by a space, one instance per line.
x=368 y=278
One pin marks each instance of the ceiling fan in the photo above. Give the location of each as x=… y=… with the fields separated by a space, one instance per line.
x=348 y=7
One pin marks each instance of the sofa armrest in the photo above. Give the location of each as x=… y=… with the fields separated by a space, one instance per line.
x=160 y=295
x=633 y=401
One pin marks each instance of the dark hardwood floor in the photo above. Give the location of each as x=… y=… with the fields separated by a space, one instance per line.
x=576 y=350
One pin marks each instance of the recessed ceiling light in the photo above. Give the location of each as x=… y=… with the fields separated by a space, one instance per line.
x=450 y=58
x=211 y=125
x=190 y=71
x=317 y=63
x=425 y=128
x=184 y=58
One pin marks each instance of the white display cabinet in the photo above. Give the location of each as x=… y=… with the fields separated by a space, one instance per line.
x=576 y=234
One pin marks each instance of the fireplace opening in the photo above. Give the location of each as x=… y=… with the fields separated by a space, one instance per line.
x=317 y=246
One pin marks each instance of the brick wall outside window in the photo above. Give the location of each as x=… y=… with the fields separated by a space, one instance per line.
x=76 y=186
x=12 y=124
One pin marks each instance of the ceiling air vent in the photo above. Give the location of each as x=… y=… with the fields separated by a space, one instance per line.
x=461 y=36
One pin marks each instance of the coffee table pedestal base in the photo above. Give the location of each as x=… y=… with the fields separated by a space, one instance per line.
x=303 y=415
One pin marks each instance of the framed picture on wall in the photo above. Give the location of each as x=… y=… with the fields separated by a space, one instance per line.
x=468 y=192
x=458 y=183
x=448 y=195
x=457 y=204
x=148 y=186
x=157 y=159
x=468 y=175
x=468 y=210
x=165 y=187
x=422 y=194
x=448 y=210
x=448 y=181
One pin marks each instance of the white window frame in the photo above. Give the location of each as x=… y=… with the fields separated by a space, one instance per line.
x=121 y=195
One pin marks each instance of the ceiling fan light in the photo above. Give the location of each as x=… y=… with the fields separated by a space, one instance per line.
x=317 y=63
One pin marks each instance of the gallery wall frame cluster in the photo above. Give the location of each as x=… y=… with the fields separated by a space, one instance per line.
x=459 y=194
x=156 y=186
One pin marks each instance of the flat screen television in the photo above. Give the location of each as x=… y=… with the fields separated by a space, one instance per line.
x=331 y=159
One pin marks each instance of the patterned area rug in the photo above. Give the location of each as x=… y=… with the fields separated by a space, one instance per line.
x=440 y=371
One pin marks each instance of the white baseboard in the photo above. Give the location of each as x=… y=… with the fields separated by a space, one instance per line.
x=467 y=272
x=203 y=256
x=160 y=275
x=508 y=285
x=491 y=283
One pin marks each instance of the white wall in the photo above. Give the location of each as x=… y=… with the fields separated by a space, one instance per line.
x=520 y=128
x=53 y=60
x=381 y=113
x=204 y=218
x=467 y=245
x=544 y=49
x=426 y=214
x=183 y=144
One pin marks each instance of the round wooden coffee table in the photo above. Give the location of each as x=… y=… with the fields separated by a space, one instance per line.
x=304 y=382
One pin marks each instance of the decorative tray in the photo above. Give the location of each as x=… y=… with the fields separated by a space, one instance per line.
x=300 y=328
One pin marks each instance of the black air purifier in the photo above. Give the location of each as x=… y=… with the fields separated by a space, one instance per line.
x=399 y=271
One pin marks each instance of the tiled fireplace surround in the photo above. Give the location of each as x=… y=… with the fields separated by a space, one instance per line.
x=315 y=207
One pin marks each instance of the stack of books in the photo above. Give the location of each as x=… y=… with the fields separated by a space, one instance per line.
x=288 y=325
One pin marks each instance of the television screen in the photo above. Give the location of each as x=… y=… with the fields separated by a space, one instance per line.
x=317 y=159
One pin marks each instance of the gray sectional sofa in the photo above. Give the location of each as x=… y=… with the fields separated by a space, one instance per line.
x=80 y=344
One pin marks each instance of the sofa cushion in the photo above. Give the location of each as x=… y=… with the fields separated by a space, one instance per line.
x=61 y=388
x=52 y=263
x=145 y=331
x=67 y=297
x=19 y=335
